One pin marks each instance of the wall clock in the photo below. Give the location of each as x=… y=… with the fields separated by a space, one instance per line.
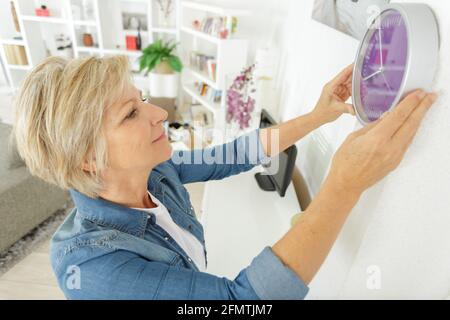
x=398 y=54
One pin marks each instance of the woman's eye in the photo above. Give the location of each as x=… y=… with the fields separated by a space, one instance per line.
x=132 y=114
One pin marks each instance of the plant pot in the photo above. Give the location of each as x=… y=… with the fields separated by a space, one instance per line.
x=163 y=85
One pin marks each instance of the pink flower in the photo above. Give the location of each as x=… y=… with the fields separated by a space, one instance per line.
x=240 y=104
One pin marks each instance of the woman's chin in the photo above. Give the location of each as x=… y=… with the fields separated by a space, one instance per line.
x=167 y=150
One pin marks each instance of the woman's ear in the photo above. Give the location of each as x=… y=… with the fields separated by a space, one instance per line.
x=89 y=166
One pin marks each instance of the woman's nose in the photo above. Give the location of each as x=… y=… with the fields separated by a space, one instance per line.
x=158 y=115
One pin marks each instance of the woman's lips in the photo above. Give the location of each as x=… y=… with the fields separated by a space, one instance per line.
x=162 y=136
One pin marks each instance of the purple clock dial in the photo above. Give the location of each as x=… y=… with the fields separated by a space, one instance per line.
x=381 y=65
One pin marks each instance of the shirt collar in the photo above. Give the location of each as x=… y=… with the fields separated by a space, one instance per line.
x=110 y=214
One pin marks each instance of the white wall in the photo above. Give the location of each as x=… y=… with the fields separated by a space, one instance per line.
x=401 y=226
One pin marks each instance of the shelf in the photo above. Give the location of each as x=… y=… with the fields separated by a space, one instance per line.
x=91 y=23
x=130 y=53
x=13 y=42
x=138 y=1
x=214 y=9
x=134 y=32
x=203 y=78
x=202 y=35
x=19 y=67
x=89 y=49
x=45 y=19
x=164 y=30
x=211 y=106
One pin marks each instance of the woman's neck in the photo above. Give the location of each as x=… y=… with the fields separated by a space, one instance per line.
x=127 y=189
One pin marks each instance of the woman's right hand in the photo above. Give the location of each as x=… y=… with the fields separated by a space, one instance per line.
x=368 y=155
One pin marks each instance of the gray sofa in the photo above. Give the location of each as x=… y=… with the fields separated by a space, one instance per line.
x=25 y=201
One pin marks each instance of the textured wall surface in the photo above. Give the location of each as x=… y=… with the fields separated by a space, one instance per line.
x=399 y=231
x=400 y=228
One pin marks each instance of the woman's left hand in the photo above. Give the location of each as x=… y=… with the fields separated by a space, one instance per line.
x=331 y=104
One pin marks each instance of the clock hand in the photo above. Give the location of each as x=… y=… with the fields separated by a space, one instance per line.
x=381 y=46
x=372 y=75
x=385 y=81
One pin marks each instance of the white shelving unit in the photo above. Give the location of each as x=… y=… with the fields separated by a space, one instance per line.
x=101 y=18
x=230 y=54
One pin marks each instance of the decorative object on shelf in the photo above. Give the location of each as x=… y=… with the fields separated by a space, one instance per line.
x=220 y=27
x=15 y=54
x=139 y=38
x=223 y=34
x=165 y=12
x=131 y=42
x=200 y=116
x=178 y=131
x=209 y=93
x=203 y=63
x=63 y=46
x=42 y=11
x=132 y=21
x=14 y=16
x=162 y=66
x=88 y=40
x=196 y=25
x=240 y=100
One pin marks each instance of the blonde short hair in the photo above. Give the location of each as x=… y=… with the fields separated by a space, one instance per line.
x=58 y=118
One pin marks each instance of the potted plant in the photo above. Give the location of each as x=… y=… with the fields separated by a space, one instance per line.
x=163 y=67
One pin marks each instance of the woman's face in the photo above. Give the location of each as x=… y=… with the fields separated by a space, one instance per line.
x=135 y=133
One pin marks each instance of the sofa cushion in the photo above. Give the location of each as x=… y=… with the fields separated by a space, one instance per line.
x=11 y=158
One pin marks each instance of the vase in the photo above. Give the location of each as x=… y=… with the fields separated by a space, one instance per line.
x=163 y=85
x=88 y=41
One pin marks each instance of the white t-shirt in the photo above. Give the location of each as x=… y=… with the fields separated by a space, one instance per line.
x=186 y=240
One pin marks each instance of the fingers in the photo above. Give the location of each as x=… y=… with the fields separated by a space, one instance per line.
x=367 y=128
x=348 y=108
x=406 y=133
x=395 y=119
x=342 y=77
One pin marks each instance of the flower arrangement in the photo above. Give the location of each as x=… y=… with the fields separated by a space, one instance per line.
x=240 y=103
x=165 y=8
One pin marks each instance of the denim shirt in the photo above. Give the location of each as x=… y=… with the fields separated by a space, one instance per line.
x=104 y=250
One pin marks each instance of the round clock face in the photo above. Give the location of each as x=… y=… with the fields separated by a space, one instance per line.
x=381 y=66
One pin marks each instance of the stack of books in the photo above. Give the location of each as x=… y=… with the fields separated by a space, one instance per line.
x=216 y=25
x=204 y=63
x=15 y=54
x=209 y=93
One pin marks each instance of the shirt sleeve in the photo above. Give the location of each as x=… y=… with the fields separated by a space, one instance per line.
x=220 y=161
x=123 y=275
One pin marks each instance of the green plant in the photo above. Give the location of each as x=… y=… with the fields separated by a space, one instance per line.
x=158 y=52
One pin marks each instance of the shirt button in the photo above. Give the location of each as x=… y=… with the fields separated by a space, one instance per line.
x=189 y=259
x=166 y=238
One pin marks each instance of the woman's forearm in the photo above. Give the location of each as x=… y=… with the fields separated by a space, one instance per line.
x=280 y=137
x=304 y=248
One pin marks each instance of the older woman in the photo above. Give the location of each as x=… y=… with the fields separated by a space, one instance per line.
x=83 y=126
